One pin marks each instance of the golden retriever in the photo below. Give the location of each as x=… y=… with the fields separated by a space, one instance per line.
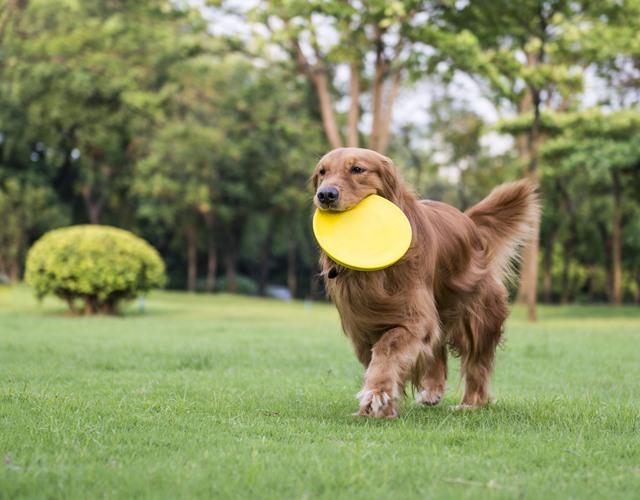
x=447 y=291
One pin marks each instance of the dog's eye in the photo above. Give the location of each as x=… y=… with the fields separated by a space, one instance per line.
x=356 y=169
x=321 y=171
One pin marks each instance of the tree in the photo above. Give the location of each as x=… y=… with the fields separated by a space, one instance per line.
x=27 y=207
x=605 y=149
x=82 y=75
x=519 y=54
x=277 y=138
x=607 y=41
x=233 y=142
x=371 y=41
x=447 y=160
x=176 y=185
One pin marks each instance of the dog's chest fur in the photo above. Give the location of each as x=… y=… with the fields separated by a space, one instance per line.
x=371 y=302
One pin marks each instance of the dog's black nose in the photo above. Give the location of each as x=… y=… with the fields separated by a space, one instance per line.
x=328 y=195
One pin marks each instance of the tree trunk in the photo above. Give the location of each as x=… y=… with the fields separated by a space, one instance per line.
x=616 y=238
x=529 y=274
x=317 y=75
x=608 y=257
x=212 y=264
x=192 y=258
x=522 y=146
x=570 y=243
x=547 y=283
x=72 y=305
x=16 y=256
x=463 y=202
x=265 y=257
x=231 y=272
x=524 y=106
x=326 y=108
x=212 y=254
x=638 y=289
x=94 y=203
x=90 y=305
x=385 y=123
x=530 y=270
x=14 y=271
x=95 y=211
x=566 y=263
x=376 y=93
x=591 y=290
x=415 y=161
x=291 y=267
x=314 y=281
x=354 y=107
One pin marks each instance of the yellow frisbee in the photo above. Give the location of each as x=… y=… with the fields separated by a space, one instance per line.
x=372 y=235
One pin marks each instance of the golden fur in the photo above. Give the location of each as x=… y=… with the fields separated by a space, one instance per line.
x=447 y=291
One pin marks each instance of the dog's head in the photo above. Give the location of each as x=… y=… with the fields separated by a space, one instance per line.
x=345 y=176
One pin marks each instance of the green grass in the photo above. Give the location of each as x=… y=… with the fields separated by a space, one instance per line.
x=220 y=396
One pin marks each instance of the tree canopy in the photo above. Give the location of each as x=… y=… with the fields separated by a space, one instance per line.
x=196 y=126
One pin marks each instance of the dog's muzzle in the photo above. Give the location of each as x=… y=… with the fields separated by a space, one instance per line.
x=328 y=196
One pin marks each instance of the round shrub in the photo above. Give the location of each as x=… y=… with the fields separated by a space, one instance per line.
x=99 y=266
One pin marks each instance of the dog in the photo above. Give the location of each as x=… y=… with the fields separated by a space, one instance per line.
x=446 y=293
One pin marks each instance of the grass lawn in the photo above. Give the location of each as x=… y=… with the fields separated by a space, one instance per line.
x=220 y=396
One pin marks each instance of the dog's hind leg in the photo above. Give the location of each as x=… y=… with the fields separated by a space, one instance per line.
x=484 y=333
x=477 y=374
x=430 y=376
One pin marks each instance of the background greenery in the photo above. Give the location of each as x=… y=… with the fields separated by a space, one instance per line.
x=196 y=125
x=232 y=397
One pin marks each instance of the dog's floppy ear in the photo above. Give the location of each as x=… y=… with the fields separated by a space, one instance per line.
x=313 y=180
x=389 y=176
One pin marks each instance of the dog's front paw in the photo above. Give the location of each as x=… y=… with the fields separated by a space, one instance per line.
x=428 y=397
x=377 y=403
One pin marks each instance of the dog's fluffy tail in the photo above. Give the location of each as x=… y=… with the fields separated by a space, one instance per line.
x=507 y=218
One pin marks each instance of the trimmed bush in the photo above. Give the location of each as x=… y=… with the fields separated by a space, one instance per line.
x=99 y=266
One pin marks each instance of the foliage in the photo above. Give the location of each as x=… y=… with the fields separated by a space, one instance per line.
x=81 y=78
x=241 y=137
x=99 y=265
x=78 y=83
x=375 y=43
x=26 y=209
x=594 y=164
x=518 y=50
x=596 y=142
x=150 y=116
